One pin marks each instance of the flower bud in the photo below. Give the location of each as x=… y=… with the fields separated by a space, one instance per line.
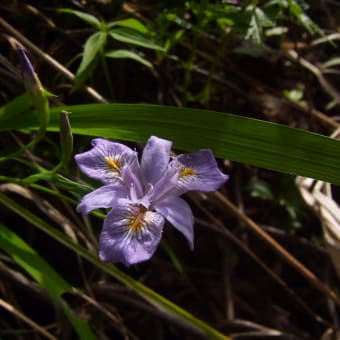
x=31 y=81
x=66 y=138
x=34 y=88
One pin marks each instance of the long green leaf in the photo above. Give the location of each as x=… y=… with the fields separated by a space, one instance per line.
x=94 y=44
x=88 y=18
x=132 y=23
x=125 y=54
x=20 y=105
x=44 y=274
x=35 y=265
x=131 y=36
x=237 y=138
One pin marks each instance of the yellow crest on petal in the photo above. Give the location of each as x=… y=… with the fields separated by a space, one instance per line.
x=138 y=219
x=187 y=172
x=113 y=164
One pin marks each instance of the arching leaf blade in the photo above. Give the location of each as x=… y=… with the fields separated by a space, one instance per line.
x=246 y=140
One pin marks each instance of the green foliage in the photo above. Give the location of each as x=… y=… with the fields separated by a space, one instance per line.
x=302 y=17
x=93 y=47
x=258 y=22
x=261 y=189
x=225 y=28
x=125 y=54
x=242 y=139
x=296 y=95
x=129 y=31
x=161 y=303
x=86 y=17
x=131 y=36
x=289 y=199
x=44 y=274
x=286 y=205
x=251 y=21
x=213 y=58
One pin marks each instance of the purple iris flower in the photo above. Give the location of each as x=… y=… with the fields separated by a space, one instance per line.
x=142 y=195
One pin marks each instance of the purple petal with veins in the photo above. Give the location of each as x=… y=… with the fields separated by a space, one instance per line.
x=130 y=234
x=155 y=159
x=179 y=214
x=198 y=171
x=142 y=196
x=103 y=197
x=105 y=161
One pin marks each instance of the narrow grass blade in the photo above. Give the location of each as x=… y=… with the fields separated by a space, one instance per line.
x=131 y=23
x=131 y=36
x=44 y=274
x=175 y=313
x=86 y=17
x=94 y=44
x=125 y=54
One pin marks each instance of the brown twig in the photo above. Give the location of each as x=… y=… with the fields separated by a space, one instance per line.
x=11 y=309
x=282 y=252
x=293 y=55
x=220 y=228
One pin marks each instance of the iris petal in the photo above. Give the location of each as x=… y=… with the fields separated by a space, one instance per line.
x=179 y=214
x=102 y=197
x=130 y=233
x=106 y=159
x=165 y=185
x=198 y=171
x=155 y=159
x=132 y=229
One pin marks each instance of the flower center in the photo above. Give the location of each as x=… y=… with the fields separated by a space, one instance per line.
x=138 y=221
x=187 y=172
x=114 y=164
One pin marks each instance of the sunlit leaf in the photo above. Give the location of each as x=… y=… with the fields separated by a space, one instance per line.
x=94 y=44
x=303 y=18
x=331 y=62
x=131 y=36
x=20 y=105
x=88 y=18
x=278 y=30
x=258 y=21
x=242 y=139
x=131 y=23
x=260 y=188
x=35 y=265
x=125 y=54
x=44 y=274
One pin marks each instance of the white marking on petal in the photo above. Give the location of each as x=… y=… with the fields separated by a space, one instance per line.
x=110 y=163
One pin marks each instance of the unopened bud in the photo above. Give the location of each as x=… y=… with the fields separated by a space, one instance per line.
x=34 y=88
x=66 y=138
x=31 y=81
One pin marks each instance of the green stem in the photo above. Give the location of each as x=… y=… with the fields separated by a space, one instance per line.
x=107 y=77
